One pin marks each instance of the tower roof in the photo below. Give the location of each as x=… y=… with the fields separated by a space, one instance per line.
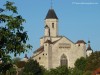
x=89 y=47
x=51 y=14
x=48 y=41
x=26 y=56
x=46 y=26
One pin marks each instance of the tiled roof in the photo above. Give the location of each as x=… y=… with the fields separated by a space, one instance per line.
x=51 y=14
x=80 y=41
x=20 y=64
x=26 y=56
x=48 y=41
x=46 y=26
x=39 y=49
x=56 y=41
x=96 y=72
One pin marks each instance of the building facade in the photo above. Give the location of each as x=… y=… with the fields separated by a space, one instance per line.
x=56 y=50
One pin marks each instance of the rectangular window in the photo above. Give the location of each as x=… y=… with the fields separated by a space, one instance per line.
x=52 y=25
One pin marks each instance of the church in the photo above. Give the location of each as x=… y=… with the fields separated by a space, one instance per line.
x=56 y=50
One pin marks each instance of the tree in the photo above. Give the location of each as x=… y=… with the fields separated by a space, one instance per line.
x=88 y=73
x=11 y=71
x=75 y=71
x=62 y=70
x=81 y=63
x=32 y=67
x=93 y=61
x=13 y=38
x=79 y=68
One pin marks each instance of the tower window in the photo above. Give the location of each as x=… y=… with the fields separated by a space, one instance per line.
x=39 y=58
x=52 y=25
x=78 y=44
x=45 y=44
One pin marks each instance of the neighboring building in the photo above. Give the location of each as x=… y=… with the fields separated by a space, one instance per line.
x=25 y=59
x=19 y=66
x=96 y=72
x=57 y=50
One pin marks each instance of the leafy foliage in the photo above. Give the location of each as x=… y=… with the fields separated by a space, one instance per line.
x=32 y=67
x=93 y=61
x=13 y=38
x=81 y=63
x=62 y=70
x=75 y=71
x=87 y=73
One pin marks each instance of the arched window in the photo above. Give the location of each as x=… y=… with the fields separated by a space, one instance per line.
x=63 y=60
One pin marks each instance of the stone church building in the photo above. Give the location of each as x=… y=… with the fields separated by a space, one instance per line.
x=56 y=50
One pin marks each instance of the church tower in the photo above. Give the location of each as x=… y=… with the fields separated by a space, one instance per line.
x=51 y=24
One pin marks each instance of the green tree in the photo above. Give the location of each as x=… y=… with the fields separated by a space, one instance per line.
x=93 y=61
x=62 y=70
x=81 y=63
x=75 y=71
x=87 y=73
x=79 y=68
x=32 y=67
x=11 y=71
x=13 y=38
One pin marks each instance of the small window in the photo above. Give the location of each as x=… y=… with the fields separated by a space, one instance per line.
x=39 y=58
x=78 y=44
x=45 y=44
x=52 y=25
x=43 y=54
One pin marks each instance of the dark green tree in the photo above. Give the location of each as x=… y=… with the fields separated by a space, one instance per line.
x=62 y=70
x=81 y=63
x=79 y=68
x=13 y=38
x=75 y=71
x=93 y=61
x=88 y=73
x=32 y=67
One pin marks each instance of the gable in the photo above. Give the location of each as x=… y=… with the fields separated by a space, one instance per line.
x=64 y=40
x=64 y=43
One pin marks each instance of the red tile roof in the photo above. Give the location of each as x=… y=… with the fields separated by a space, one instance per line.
x=97 y=71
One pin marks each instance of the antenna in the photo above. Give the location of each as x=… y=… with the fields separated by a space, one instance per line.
x=51 y=3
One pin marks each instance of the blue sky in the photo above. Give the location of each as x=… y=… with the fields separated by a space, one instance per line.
x=78 y=19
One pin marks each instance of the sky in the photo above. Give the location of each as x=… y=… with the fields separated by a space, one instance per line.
x=78 y=20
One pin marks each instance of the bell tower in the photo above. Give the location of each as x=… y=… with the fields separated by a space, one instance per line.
x=51 y=21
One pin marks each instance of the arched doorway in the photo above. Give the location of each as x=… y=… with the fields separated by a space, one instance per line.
x=63 y=60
